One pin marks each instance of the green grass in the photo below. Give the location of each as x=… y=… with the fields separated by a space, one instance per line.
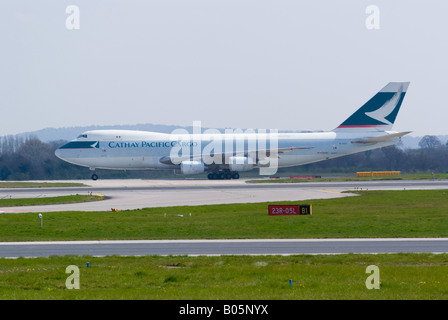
x=354 y=178
x=402 y=276
x=49 y=200
x=28 y=184
x=410 y=213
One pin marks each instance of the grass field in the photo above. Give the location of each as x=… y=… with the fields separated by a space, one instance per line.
x=29 y=184
x=410 y=213
x=351 y=177
x=49 y=200
x=402 y=276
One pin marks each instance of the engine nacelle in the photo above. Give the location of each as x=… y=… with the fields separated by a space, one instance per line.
x=192 y=167
x=241 y=163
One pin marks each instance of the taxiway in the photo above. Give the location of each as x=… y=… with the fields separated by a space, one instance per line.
x=137 y=194
x=223 y=247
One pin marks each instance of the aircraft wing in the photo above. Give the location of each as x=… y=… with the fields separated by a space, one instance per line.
x=382 y=138
x=265 y=153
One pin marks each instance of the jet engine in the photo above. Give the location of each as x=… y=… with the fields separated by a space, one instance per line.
x=192 y=167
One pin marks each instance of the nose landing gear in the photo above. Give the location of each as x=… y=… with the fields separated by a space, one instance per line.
x=94 y=175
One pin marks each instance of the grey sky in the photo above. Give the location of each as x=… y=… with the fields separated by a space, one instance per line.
x=283 y=64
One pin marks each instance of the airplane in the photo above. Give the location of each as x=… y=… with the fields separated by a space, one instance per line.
x=224 y=155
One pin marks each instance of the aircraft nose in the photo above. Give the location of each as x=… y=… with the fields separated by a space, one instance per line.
x=61 y=152
x=58 y=153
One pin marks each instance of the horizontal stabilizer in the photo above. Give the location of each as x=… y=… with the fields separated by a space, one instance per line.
x=383 y=138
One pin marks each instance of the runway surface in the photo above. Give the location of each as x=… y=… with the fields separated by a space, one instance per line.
x=222 y=247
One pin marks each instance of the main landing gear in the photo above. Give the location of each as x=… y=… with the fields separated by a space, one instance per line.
x=221 y=175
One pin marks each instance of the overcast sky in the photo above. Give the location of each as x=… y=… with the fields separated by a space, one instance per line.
x=278 y=64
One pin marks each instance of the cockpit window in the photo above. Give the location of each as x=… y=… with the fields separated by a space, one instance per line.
x=82 y=136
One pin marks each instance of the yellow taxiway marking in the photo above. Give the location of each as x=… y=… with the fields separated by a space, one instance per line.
x=332 y=191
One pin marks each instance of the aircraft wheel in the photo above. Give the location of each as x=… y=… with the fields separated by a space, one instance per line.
x=235 y=175
x=94 y=177
x=213 y=176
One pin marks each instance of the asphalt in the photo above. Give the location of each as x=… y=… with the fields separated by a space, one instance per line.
x=222 y=247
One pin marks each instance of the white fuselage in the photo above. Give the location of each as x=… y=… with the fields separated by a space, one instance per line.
x=133 y=150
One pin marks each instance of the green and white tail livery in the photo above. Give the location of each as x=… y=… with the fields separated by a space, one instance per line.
x=380 y=112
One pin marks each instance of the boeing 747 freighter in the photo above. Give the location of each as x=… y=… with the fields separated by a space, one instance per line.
x=224 y=155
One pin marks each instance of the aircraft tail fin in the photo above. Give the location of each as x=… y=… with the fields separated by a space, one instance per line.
x=380 y=112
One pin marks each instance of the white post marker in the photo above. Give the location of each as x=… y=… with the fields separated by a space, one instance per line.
x=41 y=220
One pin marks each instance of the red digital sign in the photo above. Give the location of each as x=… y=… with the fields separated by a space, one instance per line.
x=282 y=210
x=275 y=209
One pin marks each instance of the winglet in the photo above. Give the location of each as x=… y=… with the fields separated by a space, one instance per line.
x=380 y=112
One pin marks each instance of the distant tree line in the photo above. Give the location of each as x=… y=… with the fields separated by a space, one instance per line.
x=31 y=159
